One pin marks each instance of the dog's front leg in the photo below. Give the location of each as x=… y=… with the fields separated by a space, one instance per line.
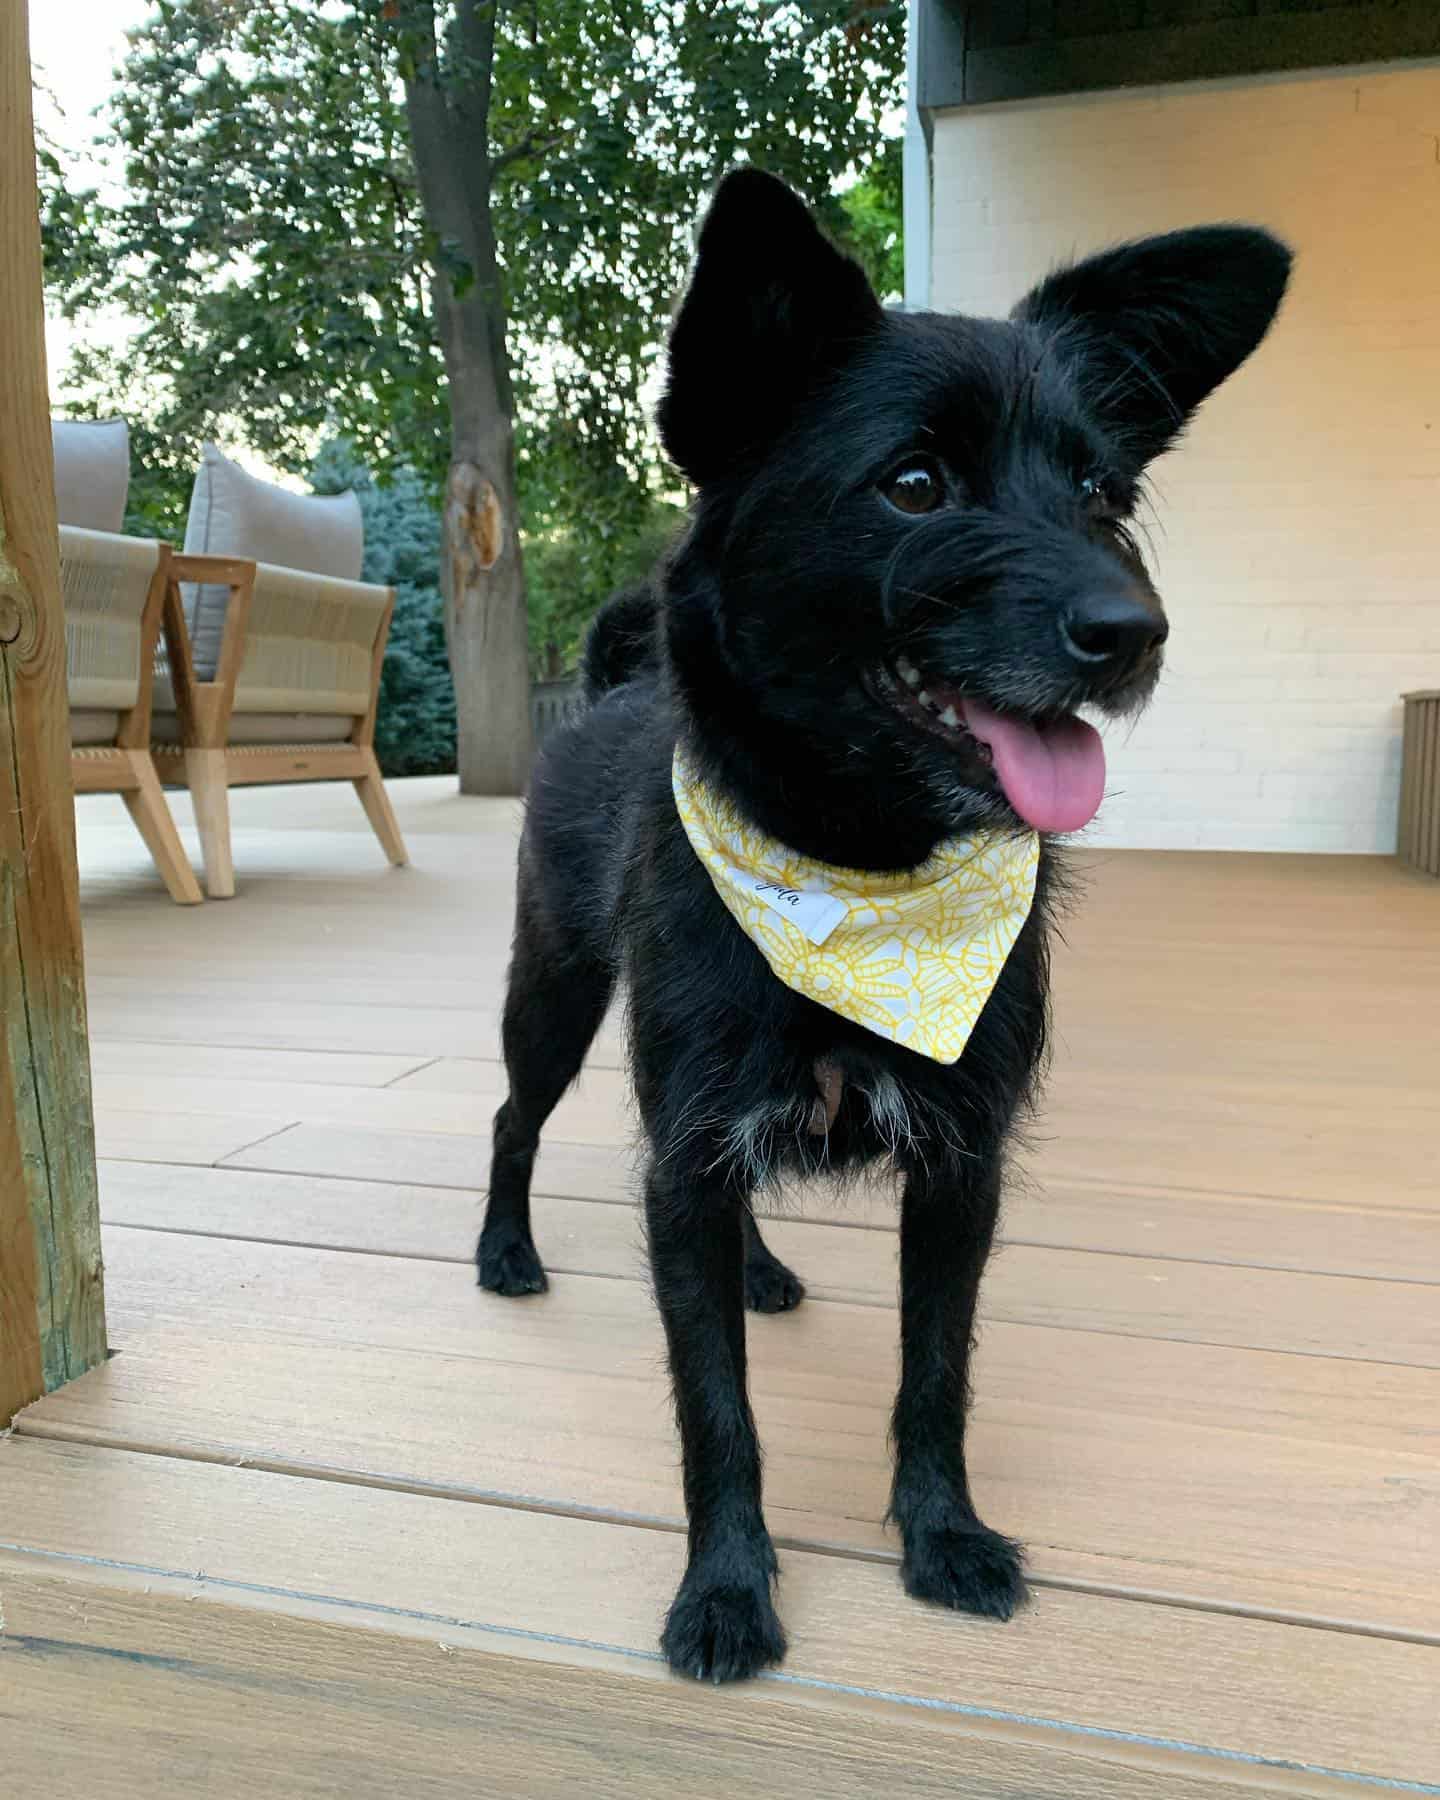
x=722 y=1625
x=947 y=1223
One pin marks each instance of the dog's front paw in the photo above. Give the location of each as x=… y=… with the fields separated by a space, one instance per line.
x=722 y=1630
x=770 y=1287
x=971 y=1569
x=510 y=1265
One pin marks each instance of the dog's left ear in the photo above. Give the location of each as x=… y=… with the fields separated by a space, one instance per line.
x=772 y=309
x=1157 y=325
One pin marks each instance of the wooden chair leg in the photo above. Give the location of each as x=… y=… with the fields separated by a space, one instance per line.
x=146 y=805
x=209 y=791
x=371 y=788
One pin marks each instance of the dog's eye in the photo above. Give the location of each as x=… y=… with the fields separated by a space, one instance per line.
x=915 y=486
x=1101 y=500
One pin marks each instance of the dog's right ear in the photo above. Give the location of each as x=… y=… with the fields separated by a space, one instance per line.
x=772 y=309
x=1156 y=325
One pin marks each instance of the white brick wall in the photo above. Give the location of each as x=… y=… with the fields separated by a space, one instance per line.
x=1298 y=533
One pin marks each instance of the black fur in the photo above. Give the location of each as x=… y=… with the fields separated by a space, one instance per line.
x=791 y=399
x=623 y=642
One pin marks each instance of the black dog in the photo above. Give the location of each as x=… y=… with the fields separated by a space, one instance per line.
x=907 y=563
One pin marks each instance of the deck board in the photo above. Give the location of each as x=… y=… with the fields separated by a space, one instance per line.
x=1209 y=1472
x=324 y=1476
x=155 y=1694
x=1196 y=1223
x=181 y=1137
x=597 y=1112
x=1246 y=1686
x=1203 y=1302
x=1331 y=1141
x=161 y=1063
x=1224 y=1135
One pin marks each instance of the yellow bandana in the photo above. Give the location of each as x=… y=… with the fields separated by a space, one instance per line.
x=913 y=957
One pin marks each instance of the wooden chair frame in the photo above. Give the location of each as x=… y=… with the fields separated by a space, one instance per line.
x=127 y=767
x=207 y=763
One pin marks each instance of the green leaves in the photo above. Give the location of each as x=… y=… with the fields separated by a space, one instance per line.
x=415 y=727
x=272 y=246
x=570 y=572
x=875 y=221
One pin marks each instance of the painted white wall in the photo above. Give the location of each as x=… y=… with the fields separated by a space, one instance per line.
x=1298 y=535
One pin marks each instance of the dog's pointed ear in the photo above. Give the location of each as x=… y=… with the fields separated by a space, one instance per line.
x=772 y=309
x=1158 y=324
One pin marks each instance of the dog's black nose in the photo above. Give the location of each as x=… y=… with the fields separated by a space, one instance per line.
x=1113 y=629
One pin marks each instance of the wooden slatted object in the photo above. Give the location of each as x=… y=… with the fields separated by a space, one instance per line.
x=52 y=1319
x=1420 y=783
x=207 y=758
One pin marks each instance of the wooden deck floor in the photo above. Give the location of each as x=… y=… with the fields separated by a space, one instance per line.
x=332 y=1521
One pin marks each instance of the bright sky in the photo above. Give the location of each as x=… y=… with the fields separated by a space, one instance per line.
x=75 y=47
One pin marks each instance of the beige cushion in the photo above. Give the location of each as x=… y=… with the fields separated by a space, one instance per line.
x=235 y=514
x=266 y=728
x=92 y=472
x=91 y=725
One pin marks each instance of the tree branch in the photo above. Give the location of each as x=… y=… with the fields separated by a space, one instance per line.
x=534 y=143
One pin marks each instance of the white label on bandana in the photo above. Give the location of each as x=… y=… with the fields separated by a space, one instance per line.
x=814 y=913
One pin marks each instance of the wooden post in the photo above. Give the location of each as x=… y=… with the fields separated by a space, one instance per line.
x=52 y=1312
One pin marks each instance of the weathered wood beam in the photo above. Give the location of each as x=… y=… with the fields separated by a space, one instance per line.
x=52 y=1313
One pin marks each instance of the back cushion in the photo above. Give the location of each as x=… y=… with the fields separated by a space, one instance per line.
x=235 y=514
x=92 y=472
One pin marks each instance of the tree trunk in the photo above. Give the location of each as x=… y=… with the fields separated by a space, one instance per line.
x=482 y=574
x=485 y=625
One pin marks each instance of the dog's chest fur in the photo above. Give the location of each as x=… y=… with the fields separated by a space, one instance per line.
x=736 y=1074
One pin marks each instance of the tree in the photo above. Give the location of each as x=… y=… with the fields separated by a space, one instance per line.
x=875 y=215
x=415 y=728
x=563 y=593
x=449 y=82
x=328 y=203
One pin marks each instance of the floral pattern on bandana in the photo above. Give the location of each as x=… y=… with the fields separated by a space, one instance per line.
x=912 y=957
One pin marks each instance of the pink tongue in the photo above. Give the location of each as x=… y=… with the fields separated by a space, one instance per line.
x=1054 y=777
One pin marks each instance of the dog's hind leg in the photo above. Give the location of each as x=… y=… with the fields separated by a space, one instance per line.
x=947 y=1222
x=769 y=1285
x=553 y=1008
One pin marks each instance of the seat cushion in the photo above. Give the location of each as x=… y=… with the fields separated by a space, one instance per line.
x=266 y=728
x=92 y=725
x=233 y=513
x=92 y=472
